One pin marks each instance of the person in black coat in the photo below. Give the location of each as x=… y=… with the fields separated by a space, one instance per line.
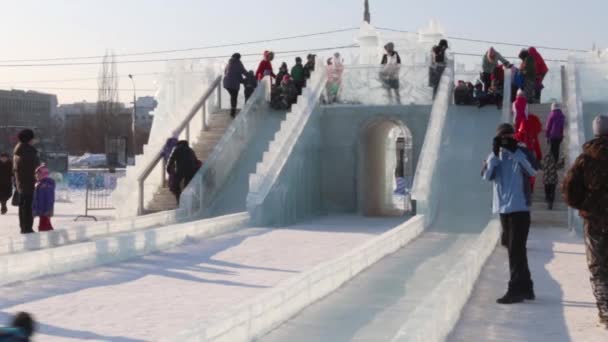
x=6 y=181
x=183 y=165
x=233 y=77
x=25 y=162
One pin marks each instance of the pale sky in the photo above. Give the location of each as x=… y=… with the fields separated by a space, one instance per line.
x=66 y=28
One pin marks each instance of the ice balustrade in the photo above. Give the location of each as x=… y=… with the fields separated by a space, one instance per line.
x=183 y=127
x=370 y=85
x=274 y=200
x=575 y=128
x=593 y=79
x=426 y=187
x=199 y=195
x=180 y=86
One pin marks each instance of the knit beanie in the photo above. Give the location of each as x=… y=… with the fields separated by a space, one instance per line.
x=555 y=106
x=600 y=125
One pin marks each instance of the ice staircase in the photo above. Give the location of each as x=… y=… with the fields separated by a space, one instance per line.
x=271 y=201
x=541 y=215
x=218 y=123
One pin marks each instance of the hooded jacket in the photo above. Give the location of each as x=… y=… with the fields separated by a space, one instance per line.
x=509 y=171
x=555 y=124
x=44 y=198
x=539 y=62
x=489 y=64
x=265 y=67
x=586 y=184
x=13 y=335
x=25 y=162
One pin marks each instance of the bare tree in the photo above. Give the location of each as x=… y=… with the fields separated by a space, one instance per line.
x=107 y=98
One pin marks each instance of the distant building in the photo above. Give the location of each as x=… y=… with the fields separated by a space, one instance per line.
x=29 y=109
x=81 y=120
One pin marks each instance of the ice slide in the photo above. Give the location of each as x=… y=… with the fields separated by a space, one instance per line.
x=375 y=305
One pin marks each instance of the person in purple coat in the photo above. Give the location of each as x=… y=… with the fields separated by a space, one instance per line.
x=555 y=129
x=44 y=198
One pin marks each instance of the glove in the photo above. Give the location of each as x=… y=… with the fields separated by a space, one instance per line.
x=496 y=146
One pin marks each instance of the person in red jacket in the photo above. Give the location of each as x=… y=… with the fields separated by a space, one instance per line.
x=265 y=67
x=541 y=72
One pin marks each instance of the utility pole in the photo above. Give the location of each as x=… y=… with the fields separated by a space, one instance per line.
x=134 y=115
x=366 y=14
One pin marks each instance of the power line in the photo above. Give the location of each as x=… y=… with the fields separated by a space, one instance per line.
x=86 y=89
x=493 y=42
x=80 y=79
x=208 y=47
x=171 y=59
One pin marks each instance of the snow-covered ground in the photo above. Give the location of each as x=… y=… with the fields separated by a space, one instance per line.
x=69 y=206
x=565 y=307
x=160 y=294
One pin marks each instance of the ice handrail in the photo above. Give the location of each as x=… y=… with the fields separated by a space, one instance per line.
x=576 y=135
x=201 y=105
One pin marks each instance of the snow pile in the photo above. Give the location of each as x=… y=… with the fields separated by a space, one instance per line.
x=87 y=160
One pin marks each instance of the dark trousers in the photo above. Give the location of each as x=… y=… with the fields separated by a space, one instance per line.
x=26 y=217
x=486 y=79
x=555 y=144
x=234 y=95
x=550 y=192
x=3 y=204
x=596 y=241
x=248 y=93
x=516 y=227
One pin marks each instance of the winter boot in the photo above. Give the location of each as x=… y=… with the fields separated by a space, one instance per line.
x=511 y=298
x=529 y=295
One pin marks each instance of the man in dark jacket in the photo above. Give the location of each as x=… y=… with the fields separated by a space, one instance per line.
x=233 y=77
x=586 y=188
x=25 y=162
x=183 y=165
x=298 y=75
x=21 y=330
x=309 y=67
x=6 y=181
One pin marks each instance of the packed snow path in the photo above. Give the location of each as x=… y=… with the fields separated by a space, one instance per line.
x=161 y=294
x=563 y=311
x=374 y=305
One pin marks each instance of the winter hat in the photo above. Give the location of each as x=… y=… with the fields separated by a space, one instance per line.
x=236 y=56
x=555 y=106
x=42 y=171
x=524 y=53
x=389 y=46
x=25 y=322
x=600 y=125
x=443 y=43
x=504 y=129
x=491 y=54
x=298 y=59
x=25 y=136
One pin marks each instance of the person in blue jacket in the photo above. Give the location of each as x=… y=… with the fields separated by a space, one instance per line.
x=509 y=167
x=21 y=329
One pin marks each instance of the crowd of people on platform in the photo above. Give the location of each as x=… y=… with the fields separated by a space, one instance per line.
x=489 y=88
x=27 y=183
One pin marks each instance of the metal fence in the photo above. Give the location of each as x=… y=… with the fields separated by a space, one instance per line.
x=99 y=187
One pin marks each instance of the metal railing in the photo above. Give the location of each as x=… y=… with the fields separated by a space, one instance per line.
x=183 y=127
